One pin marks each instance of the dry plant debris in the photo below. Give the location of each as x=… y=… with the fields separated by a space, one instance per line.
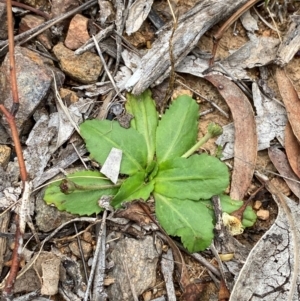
x=55 y=78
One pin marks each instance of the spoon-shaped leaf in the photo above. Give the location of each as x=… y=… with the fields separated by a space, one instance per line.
x=89 y=186
x=197 y=177
x=192 y=221
x=101 y=136
x=177 y=129
x=145 y=119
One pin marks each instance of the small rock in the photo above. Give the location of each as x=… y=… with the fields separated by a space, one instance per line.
x=84 y=68
x=3 y=21
x=86 y=249
x=34 y=82
x=179 y=91
x=40 y=4
x=263 y=214
x=68 y=96
x=281 y=185
x=135 y=260
x=257 y=205
x=5 y=152
x=49 y=218
x=5 y=181
x=87 y=236
x=59 y=7
x=78 y=33
x=30 y=21
x=147 y=296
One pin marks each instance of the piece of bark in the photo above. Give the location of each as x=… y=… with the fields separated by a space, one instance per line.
x=4 y=221
x=191 y=26
x=271 y=271
x=167 y=268
x=290 y=44
x=257 y=52
x=138 y=13
x=245 y=146
x=135 y=267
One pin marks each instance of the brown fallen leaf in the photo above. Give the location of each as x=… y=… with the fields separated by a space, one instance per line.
x=224 y=293
x=245 y=146
x=281 y=163
x=291 y=100
x=134 y=212
x=292 y=149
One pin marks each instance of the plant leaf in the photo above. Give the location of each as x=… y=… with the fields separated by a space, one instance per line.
x=83 y=202
x=133 y=188
x=145 y=120
x=196 y=177
x=101 y=136
x=229 y=206
x=177 y=129
x=192 y=221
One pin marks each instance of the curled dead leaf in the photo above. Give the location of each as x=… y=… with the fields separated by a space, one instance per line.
x=281 y=163
x=245 y=146
x=291 y=100
x=292 y=149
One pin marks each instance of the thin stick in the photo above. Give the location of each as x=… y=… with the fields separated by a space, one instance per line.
x=13 y=77
x=14 y=132
x=97 y=251
x=9 y=284
x=218 y=36
x=81 y=253
x=106 y=69
x=30 y=8
x=14 y=269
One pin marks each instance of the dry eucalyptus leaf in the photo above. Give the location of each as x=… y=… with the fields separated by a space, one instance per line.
x=292 y=149
x=270 y=123
x=291 y=100
x=245 y=146
x=47 y=267
x=271 y=271
x=281 y=163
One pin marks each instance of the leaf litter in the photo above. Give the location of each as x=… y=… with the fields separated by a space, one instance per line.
x=270 y=122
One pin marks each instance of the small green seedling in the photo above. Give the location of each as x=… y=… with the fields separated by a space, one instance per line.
x=158 y=160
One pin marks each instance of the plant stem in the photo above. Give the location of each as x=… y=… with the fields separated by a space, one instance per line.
x=68 y=186
x=203 y=140
x=213 y=130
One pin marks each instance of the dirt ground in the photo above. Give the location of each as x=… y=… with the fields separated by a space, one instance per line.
x=75 y=244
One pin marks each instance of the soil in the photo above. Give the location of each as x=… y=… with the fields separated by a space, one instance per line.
x=231 y=41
